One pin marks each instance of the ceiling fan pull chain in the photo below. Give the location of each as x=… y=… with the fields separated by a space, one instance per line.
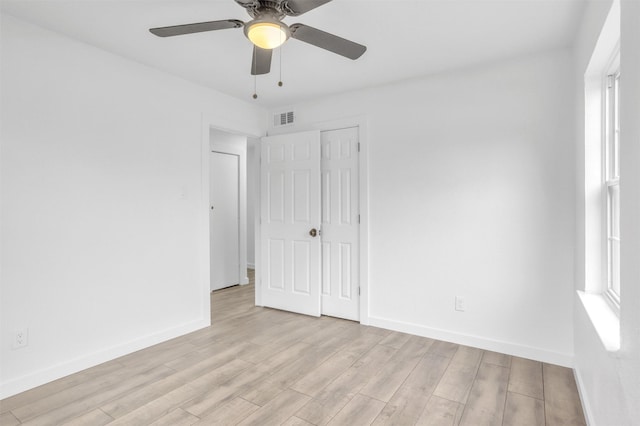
x=255 y=87
x=255 y=78
x=280 y=57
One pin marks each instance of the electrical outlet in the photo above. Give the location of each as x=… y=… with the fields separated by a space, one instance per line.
x=21 y=338
x=461 y=305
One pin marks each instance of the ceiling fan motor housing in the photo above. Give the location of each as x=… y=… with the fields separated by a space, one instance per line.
x=258 y=8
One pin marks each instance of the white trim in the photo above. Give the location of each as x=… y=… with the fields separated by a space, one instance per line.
x=604 y=319
x=582 y=393
x=257 y=223
x=529 y=352
x=610 y=74
x=40 y=377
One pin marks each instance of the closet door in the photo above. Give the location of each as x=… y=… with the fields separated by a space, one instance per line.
x=340 y=224
x=290 y=222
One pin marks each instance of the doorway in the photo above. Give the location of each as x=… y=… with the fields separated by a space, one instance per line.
x=226 y=208
x=310 y=223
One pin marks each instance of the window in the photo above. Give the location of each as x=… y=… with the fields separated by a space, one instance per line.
x=611 y=173
x=601 y=197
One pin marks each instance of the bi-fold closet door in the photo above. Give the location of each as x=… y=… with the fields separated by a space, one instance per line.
x=310 y=223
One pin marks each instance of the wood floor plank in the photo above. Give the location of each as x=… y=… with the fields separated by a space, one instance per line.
x=262 y=392
x=363 y=340
x=330 y=327
x=339 y=342
x=219 y=375
x=526 y=378
x=387 y=381
x=230 y=413
x=157 y=355
x=213 y=353
x=441 y=412
x=408 y=403
x=76 y=404
x=395 y=339
x=274 y=355
x=95 y=417
x=216 y=369
x=361 y=410
x=296 y=421
x=522 y=410
x=457 y=380
x=314 y=381
x=51 y=401
x=208 y=400
x=485 y=405
x=144 y=394
x=562 y=403
x=242 y=330
x=288 y=374
x=99 y=373
x=445 y=349
x=338 y=393
x=278 y=410
x=285 y=333
x=8 y=419
x=496 y=358
x=177 y=417
x=157 y=408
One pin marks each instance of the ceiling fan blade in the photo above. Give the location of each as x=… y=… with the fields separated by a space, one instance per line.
x=196 y=28
x=261 y=63
x=298 y=7
x=330 y=42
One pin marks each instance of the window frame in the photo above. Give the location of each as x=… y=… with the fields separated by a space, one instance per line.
x=611 y=180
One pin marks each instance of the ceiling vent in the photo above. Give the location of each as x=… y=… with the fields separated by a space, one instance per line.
x=283 y=119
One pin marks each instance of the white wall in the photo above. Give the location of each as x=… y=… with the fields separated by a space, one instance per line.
x=471 y=194
x=609 y=382
x=103 y=207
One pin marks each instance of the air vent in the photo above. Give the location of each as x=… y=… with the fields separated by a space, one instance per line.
x=283 y=119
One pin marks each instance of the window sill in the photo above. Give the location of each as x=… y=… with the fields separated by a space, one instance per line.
x=603 y=318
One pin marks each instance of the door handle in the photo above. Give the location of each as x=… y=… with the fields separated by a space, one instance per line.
x=313 y=232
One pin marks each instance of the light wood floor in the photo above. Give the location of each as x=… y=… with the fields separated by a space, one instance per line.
x=258 y=366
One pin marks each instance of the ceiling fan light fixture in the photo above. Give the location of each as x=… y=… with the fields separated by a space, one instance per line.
x=267 y=34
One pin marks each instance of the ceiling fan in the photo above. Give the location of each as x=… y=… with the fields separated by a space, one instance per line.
x=267 y=31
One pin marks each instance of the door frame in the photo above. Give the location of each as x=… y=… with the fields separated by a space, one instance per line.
x=212 y=122
x=362 y=123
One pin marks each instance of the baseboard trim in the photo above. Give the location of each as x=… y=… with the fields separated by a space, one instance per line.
x=46 y=375
x=251 y=265
x=586 y=407
x=537 y=354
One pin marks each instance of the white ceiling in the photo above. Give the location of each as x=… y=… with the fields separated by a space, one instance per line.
x=405 y=39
